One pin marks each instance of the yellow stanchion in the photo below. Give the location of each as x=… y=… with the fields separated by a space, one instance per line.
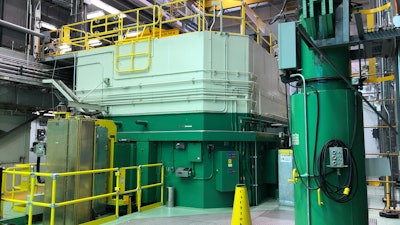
x=241 y=208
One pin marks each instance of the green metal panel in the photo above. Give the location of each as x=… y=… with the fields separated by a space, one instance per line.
x=227 y=166
x=195 y=153
x=147 y=154
x=101 y=161
x=271 y=171
x=124 y=156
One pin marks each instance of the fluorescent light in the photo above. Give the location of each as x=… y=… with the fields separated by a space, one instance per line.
x=47 y=25
x=48 y=114
x=95 y=14
x=64 y=48
x=133 y=33
x=104 y=6
x=94 y=42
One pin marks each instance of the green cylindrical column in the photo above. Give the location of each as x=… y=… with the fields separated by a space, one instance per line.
x=334 y=112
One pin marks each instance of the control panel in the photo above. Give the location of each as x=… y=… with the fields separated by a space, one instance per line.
x=336 y=157
x=227 y=170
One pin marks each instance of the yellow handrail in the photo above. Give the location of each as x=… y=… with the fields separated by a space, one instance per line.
x=119 y=188
x=111 y=29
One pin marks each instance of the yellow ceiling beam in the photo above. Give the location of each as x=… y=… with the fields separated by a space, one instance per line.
x=226 y=4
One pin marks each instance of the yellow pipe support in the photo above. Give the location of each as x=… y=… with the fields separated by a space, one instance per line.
x=85 y=199
x=178 y=19
x=53 y=199
x=162 y=186
x=15 y=200
x=30 y=210
x=387 y=193
x=27 y=173
x=374 y=79
x=2 y=191
x=139 y=189
x=117 y=188
x=129 y=167
x=382 y=181
x=373 y=10
x=150 y=165
x=320 y=203
x=129 y=191
x=65 y=174
x=392 y=210
x=152 y=185
x=243 y=20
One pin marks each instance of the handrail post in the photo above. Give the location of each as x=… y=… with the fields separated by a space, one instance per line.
x=243 y=21
x=32 y=191
x=13 y=187
x=53 y=198
x=162 y=185
x=117 y=188
x=139 y=188
x=2 y=190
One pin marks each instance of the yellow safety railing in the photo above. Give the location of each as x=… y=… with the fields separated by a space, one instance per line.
x=118 y=191
x=19 y=183
x=114 y=28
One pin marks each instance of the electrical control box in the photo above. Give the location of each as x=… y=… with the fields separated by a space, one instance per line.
x=287 y=46
x=194 y=152
x=227 y=170
x=336 y=157
x=183 y=172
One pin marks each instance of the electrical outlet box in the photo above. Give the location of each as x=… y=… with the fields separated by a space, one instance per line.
x=287 y=56
x=336 y=157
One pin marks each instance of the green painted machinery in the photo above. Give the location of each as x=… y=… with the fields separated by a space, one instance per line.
x=326 y=123
x=210 y=107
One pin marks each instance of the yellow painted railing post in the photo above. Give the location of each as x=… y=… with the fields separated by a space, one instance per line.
x=2 y=191
x=162 y=185
x=13 y=187
x=117 y=188
x=139 y=188
x=53 y=198
x=243 y=19
x=32 y=191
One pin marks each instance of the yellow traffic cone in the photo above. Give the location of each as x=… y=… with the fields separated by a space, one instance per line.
x=241 y=208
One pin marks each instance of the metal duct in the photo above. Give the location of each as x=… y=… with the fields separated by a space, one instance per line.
x=12 y=26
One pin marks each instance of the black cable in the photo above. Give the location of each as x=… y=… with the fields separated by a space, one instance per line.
x=332 y=190
x=277 y=16
x=39 y=180
x=316 y=135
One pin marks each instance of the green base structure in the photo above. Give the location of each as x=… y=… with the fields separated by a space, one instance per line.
x=217 y=159
x=326 y=123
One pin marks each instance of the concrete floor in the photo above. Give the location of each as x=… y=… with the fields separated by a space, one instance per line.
x=267 y=213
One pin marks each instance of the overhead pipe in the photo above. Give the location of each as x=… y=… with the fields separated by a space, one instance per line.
x=15 y=27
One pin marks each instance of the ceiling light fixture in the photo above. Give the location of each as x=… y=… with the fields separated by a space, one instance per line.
x=95 y=14
x=101 y=5
x=47 y=25
x=94 y=42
